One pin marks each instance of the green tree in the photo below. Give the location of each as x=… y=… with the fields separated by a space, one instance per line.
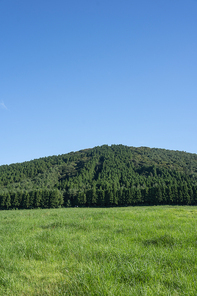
x=26 y=200
x=8 y=201
x=81 y=198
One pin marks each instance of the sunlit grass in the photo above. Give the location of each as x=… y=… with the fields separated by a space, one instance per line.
x=84 y=251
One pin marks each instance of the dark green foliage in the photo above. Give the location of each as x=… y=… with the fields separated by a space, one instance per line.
x=26 y=200
x=114 y=175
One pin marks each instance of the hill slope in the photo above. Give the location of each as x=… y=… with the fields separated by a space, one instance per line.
x=101 y=176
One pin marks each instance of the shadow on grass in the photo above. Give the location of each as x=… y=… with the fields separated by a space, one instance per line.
x=161 y=241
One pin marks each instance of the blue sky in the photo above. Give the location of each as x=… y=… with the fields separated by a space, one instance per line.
x=75 y=74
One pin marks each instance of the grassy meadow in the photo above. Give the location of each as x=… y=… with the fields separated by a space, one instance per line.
x=99 y=251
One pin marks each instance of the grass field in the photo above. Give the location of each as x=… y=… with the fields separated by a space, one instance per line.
x=109 y=251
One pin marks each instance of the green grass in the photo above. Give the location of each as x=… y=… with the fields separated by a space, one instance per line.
x=111 y=251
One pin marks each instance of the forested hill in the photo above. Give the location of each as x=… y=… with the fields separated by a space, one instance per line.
x=114 y=175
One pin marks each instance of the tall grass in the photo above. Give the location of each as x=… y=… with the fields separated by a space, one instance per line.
x=85 y=251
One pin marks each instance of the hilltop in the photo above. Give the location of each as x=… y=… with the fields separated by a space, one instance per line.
x=113 y=175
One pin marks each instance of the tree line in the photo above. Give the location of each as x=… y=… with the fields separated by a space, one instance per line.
x=29 y=200
x=100 y=197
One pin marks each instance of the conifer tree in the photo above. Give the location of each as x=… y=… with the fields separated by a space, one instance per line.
x=81 y=198
x=26 y=200
x=101 y=197
x=15 y=199
x=3 y=197
x=186 y=197
x=159 y=197
x=115 y=195
x=138 y=196
x=8 y=203
x=94 y=196
x=37 y=198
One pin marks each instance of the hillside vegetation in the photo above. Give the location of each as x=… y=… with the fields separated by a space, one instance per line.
x=114 y=175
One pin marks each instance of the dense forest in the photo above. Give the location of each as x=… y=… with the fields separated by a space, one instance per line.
x=103 y=176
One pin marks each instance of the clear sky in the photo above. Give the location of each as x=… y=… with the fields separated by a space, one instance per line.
x=76 y=74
